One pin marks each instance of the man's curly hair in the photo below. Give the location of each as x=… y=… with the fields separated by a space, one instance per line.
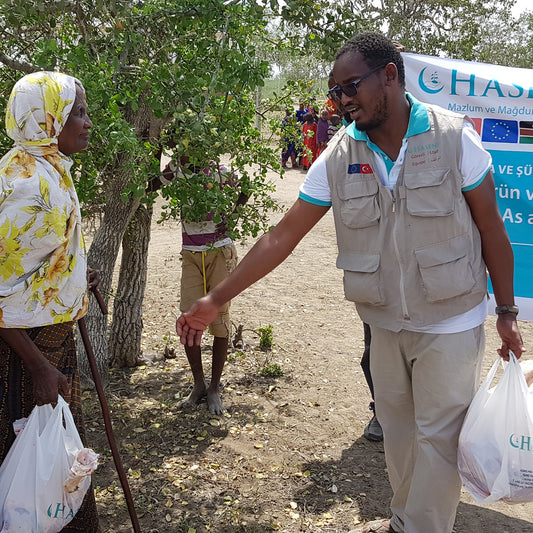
x=377 y=50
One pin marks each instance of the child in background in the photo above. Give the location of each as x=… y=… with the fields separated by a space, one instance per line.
x=208 y=256
x=310 y=146
x=300 y=112
x=289 y=150
x=334 y=126
x=322 y=131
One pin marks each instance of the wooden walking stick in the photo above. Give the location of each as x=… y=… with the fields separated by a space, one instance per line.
x=105 y=411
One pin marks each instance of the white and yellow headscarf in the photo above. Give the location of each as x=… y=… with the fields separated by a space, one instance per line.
x=43 y=265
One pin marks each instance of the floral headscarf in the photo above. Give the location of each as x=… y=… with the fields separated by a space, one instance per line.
x=42 y=255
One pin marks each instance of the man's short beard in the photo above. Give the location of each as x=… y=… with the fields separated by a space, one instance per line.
x=379 y=117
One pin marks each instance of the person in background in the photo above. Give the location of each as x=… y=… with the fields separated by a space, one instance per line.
x=331 y=104
x=418 y=229
x=208 y=257
x=373 y=431
x=43 y=266
x=322 y=132
x=310 y=146
x=334 y=126
x=300 y=112
x=313 y=108
x=289 y=141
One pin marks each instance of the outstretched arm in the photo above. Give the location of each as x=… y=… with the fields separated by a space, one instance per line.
x=269 y=251
x=498 y=256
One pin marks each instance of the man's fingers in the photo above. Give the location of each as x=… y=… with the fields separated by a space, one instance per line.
x=182 y=329
x=188 y=335
x=503 y=352
x=191 y=337
x=518 y=351
x=198 y=339
x=183 y=333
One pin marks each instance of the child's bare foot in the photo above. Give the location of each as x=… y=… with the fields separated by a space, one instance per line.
x=195 y=397
x=214 y=402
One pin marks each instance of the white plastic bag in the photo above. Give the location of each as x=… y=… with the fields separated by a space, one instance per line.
x=33 y=474
x=495 y=455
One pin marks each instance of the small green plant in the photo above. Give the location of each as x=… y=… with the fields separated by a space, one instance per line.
x=272 y=371
x=266 y=337
x=238 y=354
x=169 y=351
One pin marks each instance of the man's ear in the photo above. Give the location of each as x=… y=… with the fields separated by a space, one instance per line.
x=391 y=74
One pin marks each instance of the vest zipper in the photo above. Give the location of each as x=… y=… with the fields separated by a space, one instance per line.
x=403 y=300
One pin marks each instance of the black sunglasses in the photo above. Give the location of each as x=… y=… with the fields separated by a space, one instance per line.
x=350 y=89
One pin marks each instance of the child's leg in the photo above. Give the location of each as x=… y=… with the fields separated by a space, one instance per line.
x=199 y=391
x=220 y=352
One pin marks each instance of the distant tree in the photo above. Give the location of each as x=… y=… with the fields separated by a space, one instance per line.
x=453 y=28
x=508 y=43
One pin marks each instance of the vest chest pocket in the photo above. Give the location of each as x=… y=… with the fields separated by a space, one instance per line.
x=359 y=207
x=445 y=269
x=429 y=193
x=361 y=277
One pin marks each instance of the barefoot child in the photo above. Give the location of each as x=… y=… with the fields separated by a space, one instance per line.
x=208 y=257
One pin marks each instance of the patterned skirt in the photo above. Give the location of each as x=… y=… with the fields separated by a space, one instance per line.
x=57 y=344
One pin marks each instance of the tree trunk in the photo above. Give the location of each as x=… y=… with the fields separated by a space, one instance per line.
x=102 y=256
x=127 y=326
x=104 y=249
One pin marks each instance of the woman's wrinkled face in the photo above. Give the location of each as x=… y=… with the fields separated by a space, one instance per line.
x=74 y=136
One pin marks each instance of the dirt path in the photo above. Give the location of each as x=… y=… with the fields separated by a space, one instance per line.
x=290 y=455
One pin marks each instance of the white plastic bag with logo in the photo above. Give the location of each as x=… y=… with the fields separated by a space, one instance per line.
x=45 y=474
x=495 y=455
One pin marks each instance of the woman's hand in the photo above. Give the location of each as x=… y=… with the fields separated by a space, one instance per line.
x=92 y=279
x=48 y=382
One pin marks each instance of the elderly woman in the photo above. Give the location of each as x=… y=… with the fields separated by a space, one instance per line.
x=43 y=267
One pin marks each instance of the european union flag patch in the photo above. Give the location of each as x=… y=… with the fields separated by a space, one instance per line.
x=496 y=130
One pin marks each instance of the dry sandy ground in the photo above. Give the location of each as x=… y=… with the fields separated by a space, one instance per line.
x=290 y=455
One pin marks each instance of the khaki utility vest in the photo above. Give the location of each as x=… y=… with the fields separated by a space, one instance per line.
x=411 y=257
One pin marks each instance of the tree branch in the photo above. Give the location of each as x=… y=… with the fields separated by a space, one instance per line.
x=21 y=66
